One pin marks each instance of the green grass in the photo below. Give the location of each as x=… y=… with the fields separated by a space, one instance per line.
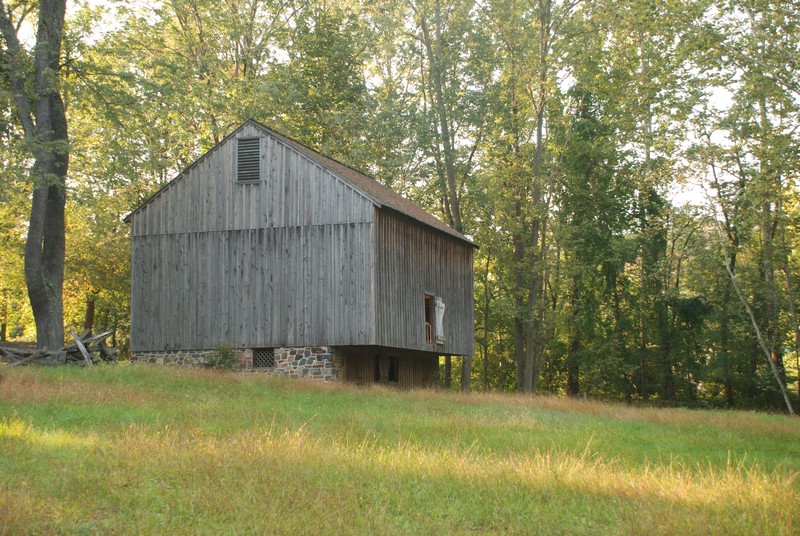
x=148 y=450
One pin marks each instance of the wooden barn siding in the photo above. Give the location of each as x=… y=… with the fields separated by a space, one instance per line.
x=414 y=369
x=213 y=258
x=418 y=371
x=293 y=191
x=411 y=260
x=283 y=286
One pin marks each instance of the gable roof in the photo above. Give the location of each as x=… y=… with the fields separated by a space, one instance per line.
x=382 y=196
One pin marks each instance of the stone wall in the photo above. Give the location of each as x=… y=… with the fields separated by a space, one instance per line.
x=315 y=362
x=188 y=358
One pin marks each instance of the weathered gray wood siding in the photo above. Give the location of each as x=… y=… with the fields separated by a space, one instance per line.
x=293 y=191
x=285 y=261
x=414 y=369
x=412 y=260
x=281 y=286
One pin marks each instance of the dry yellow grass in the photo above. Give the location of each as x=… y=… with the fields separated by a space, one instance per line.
x=336 y=460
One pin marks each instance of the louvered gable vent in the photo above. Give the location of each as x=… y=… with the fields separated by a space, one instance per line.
x=248 y=159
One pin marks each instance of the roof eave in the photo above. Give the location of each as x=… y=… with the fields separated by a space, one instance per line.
x=455 y=235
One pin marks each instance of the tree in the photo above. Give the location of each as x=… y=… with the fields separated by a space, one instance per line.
x=15 y=313
x=650 y=87
x=526 y=35
x=748 y=154
x=320 y=90
x=594 y=198
x=450 y=52
x=41 y=113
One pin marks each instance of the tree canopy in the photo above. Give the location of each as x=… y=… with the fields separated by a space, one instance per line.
x=558 y=134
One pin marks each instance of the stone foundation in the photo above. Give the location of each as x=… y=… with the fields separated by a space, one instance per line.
x=187 y=358
x=314 y=362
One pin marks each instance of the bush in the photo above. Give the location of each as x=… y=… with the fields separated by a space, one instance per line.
x=223 y=358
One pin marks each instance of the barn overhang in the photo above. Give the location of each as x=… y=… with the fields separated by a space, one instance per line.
x=367 y=365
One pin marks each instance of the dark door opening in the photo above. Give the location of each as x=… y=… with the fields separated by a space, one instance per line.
x=429 y=305
x=387 y=369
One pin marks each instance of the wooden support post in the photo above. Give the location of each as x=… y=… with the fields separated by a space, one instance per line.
x=466 y=371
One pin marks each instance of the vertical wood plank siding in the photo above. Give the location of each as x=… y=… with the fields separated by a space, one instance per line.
x=281 y=286
x=287 y=260
x=414 y=369
x=300 y=257
x=293 y=191
x=411 y=260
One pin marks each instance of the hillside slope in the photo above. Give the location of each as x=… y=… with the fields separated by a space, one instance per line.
x=133 y=450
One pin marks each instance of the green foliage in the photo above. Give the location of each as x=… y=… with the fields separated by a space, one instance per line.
x=554 y=133
x=15 y=310
x=225 y=357
x=321 y=87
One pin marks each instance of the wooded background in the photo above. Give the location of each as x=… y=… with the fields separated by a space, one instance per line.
x=554 y=133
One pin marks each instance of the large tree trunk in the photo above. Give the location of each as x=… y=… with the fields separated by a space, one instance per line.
x=724 y=340
x=536 y=289
x=732 y=235
x=435 y=53
x=44 y=250
x=520 y=281
x=575 y=345
x=773 y=335
x=535 y=294
x=45 y=130
x=519 y=341
x=3 y=317
x=88 y=318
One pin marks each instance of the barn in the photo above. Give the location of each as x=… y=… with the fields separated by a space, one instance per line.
x=306 y=266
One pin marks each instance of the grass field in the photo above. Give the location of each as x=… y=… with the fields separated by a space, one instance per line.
x=146 y=450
